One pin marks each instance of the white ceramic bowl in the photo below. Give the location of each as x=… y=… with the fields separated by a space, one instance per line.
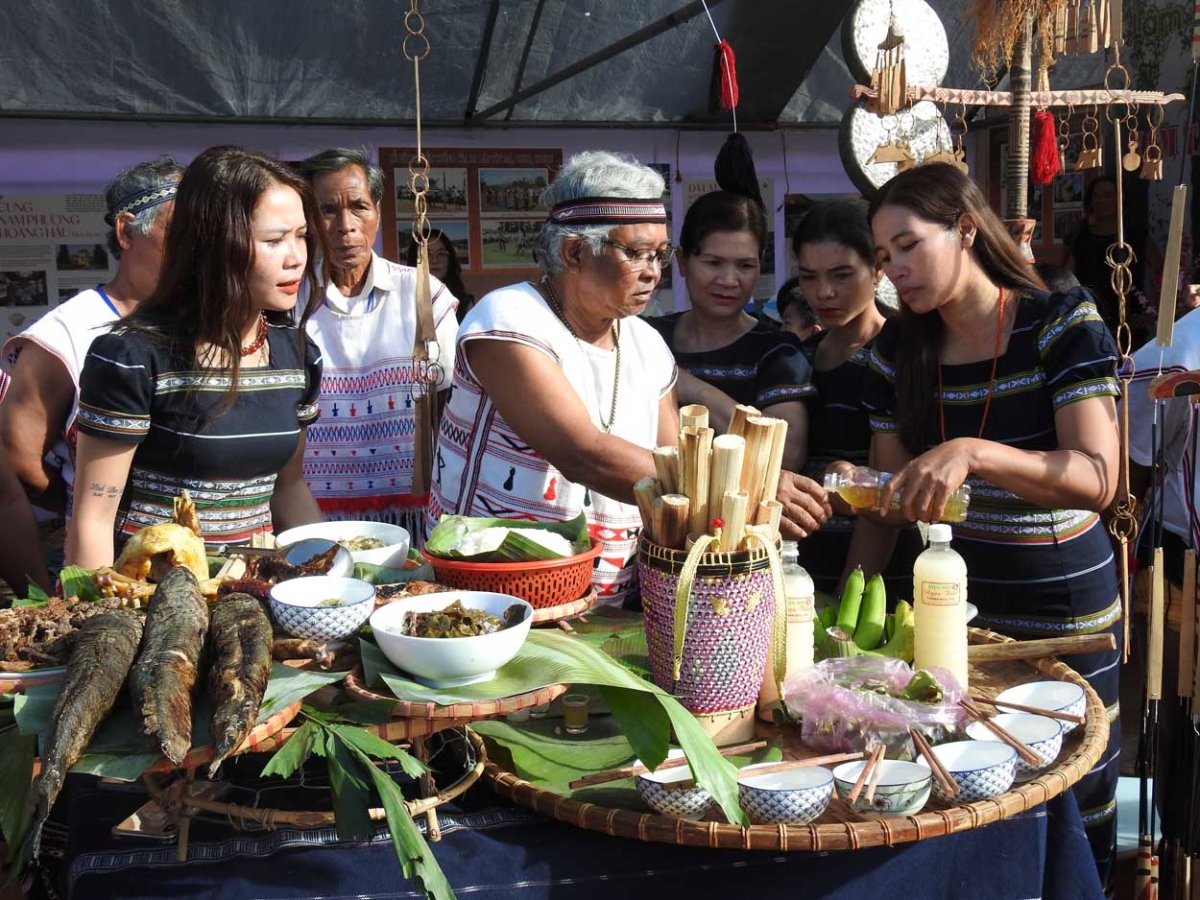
x=1058 y=696
x=660 y=794
x=299 y=606
x=450 y=662
x=792 y=797
x=1044 y=736
x=395 y=538
x=982 y=769
x=903 y=788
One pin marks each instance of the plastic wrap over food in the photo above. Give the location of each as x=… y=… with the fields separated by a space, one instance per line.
x=856 y=703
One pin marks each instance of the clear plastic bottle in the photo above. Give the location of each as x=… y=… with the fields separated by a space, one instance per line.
x=940 y=606
x=798 y=598
x=861 y=486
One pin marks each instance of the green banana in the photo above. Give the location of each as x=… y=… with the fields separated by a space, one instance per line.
x=847 y=617
x=870 y=618
x=903 y=642
x=827 y=616
x=834 y=642
x=889 y=627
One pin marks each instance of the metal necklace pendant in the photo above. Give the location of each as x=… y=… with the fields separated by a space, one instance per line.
x=556 y=307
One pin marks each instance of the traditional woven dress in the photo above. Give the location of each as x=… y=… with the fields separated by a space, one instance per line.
x=484 y=468
x=839 y=429
x=135 y=391
x=358 y=460
x=1034 y=572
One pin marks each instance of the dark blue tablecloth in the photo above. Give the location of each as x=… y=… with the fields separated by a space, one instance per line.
x=491 y=849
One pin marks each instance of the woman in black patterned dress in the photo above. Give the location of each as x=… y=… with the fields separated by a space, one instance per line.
x=987 y=378
x=838 y=276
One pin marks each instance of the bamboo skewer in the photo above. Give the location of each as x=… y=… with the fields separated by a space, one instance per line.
x=694 y=415
x=1023 y=749
x=666 y=468
x=940 y=772
x=1035 y=710
x=645 y=492
x=867 y=771
x=733 y=513
x=632 y=771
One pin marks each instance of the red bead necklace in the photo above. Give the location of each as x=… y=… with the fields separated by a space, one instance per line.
x=259 y=339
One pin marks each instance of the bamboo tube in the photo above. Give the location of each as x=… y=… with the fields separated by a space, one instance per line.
x=764 y=531
x=694 y=446
x=757 y=459
x=737 y=422
x=693 y=415
x=1187 y=627
x=1154 y=653
x=779 y=429
x=725 y=473
x=666 y=467
x=1042 y=648
x=1170 y=282
x=671 y=522
x=733 y=513
x=769 y=513
x=645 y=492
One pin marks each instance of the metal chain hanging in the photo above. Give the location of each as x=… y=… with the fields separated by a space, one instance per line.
x=1123 y=524
x=427 y=372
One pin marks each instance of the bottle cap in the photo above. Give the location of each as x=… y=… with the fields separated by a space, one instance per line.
x=940 y=533
x=789 y=547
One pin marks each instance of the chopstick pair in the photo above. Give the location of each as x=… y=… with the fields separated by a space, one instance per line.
x=940 y=772
x=1023 y=749
x=869 y=776
x=1035 y=710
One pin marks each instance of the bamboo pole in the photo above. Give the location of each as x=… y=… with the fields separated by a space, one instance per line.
x=694 y=447
x=645 y=492
x=1042 y=648
x=737 y=422
x=769 y=513
x=733 y=513
x=757 y=458
x=666 y=468
x=779 y=429
x=1170 y=282
x=671 y=520
x=725 y=473
x=693 y=415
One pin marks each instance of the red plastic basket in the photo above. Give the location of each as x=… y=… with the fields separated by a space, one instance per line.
x=551 y=582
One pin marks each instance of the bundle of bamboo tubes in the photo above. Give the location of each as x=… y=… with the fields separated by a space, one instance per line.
x=722 y=485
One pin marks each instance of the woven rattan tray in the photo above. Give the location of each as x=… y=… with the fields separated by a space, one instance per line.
x=551 y=615
x=840 y=828
x=461 y=712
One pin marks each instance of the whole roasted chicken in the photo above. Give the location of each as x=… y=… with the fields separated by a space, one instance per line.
x=153 y=551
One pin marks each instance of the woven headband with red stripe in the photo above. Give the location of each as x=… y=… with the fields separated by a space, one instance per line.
x=608 y=211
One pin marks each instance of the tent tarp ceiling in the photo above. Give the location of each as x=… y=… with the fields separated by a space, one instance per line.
x=307 y=60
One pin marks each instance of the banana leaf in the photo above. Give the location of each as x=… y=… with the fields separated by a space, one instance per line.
x=516 y=547
x=645 y=713
x=374 y=574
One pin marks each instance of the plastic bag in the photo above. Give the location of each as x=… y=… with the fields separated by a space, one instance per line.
x=855 y=703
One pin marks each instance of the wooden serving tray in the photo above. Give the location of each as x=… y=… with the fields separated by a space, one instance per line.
x=840 y=828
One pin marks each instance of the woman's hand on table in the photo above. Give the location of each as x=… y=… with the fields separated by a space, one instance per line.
x=805 y=505
x=927 y=482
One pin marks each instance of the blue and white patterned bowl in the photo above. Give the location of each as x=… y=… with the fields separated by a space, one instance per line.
x=982 y=769
x=792 y=797
x=1043 y=735
x=303 y=609
x=1057 y=696
x=661 y=793
x=903 y=788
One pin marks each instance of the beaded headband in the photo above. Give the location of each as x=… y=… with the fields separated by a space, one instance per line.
x=608 y=211
x=144 y=200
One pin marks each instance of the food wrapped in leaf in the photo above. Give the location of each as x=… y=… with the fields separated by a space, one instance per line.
x=507 y=540
x=457 y=620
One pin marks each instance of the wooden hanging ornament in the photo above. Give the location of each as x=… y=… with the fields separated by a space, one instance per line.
x=889 y=75
x=1092 y=155
x=1152 y=168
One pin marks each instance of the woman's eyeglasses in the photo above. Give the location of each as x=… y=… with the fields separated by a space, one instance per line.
x=641 y=259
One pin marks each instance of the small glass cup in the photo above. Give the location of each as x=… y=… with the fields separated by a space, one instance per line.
x=575 y=713
x=540 y=711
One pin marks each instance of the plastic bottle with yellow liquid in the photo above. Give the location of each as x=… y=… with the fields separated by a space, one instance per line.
x=940 y=606
x=799 y=594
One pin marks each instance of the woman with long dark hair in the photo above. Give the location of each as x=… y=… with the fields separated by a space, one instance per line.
x=988 y=379
x=445 y=266
x=208 y=385
x=838 y=276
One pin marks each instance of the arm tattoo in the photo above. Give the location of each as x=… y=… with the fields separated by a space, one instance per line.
x=112 y=491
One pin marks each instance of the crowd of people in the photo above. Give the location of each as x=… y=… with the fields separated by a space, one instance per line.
x=255 y=350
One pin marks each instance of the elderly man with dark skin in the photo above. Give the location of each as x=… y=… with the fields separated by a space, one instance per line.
x=37 y=417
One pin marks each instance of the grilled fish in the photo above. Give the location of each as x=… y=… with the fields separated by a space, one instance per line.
x=239 y=667
x=100 y=661
x=166 y=670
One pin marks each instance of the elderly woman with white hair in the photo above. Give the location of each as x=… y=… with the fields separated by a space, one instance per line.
x=560 y=391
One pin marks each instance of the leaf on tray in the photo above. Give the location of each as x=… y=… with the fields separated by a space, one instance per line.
x=351 y=796
x=293 y=754
x=377 y=747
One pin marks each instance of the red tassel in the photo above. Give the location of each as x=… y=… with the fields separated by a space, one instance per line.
x=1044 y=164
x=724 y=79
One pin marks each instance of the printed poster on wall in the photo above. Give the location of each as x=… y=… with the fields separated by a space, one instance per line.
x=764 y=290
x=486 y=201
x=52 y=246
